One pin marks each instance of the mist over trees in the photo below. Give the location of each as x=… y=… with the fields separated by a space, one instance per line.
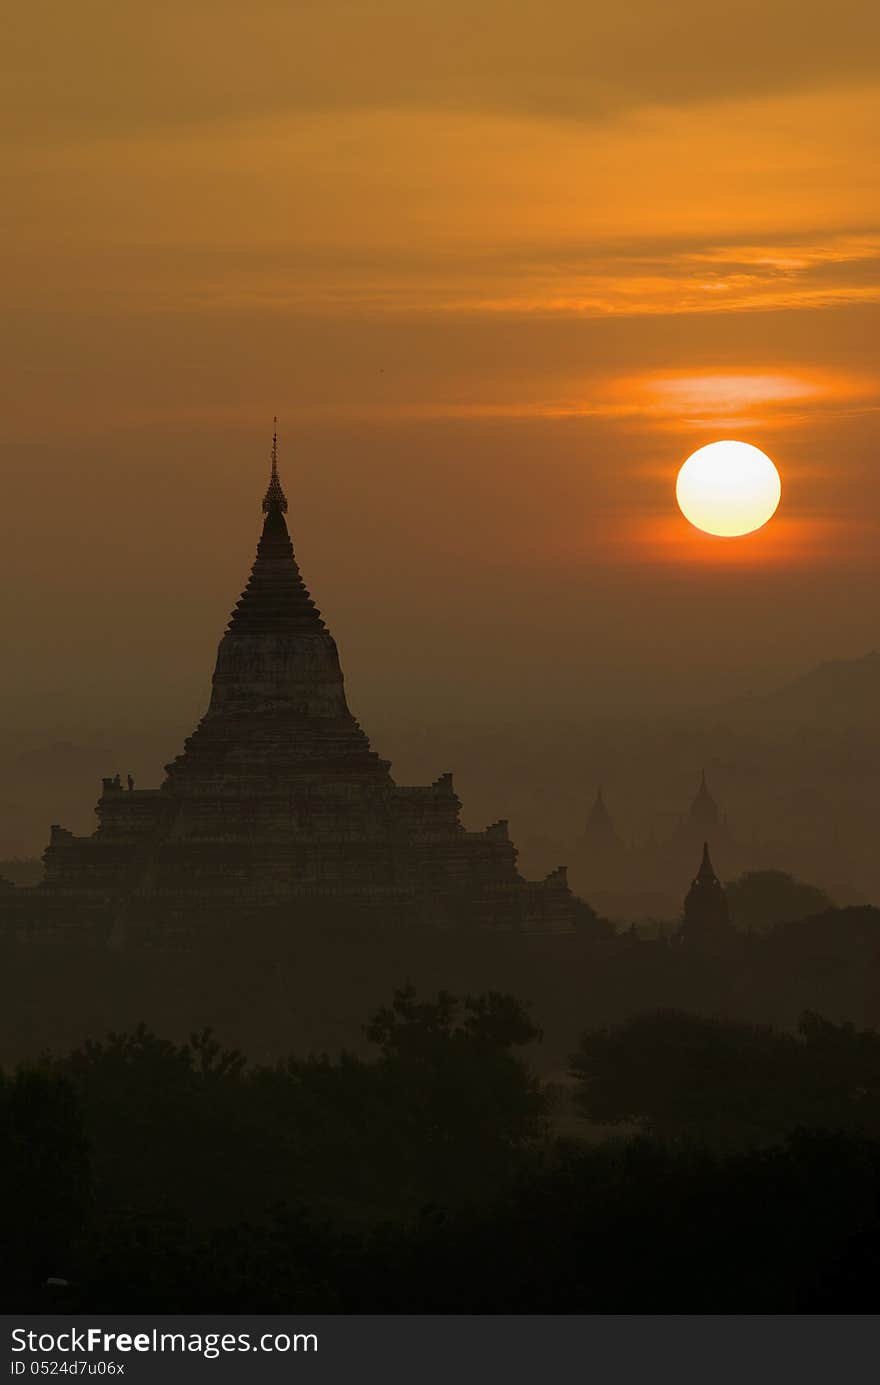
x=652 y=1125
x=441 y=1175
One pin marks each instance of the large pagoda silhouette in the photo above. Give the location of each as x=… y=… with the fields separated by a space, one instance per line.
x=278 y=801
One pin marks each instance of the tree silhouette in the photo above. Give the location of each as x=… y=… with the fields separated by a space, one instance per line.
x=731 y=1085
x=760 y=899
x=46 y=1180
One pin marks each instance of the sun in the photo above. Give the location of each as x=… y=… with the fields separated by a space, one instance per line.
x=728 y=488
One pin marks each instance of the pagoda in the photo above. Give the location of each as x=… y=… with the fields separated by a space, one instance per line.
x=277 y=801
x=704 y=814
x=600 y=834
x=601 y=859
x=706 y=924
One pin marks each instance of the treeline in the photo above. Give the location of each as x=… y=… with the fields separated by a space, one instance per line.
x=153 y=1176
x=728 y=1085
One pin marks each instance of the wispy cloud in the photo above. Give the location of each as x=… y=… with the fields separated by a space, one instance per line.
x=96 y=66
x=766 y=398
x=684 y=400
x=604 y=279
x=594 y=280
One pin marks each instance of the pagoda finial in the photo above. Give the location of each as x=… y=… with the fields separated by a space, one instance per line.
x=274 y=499
x=704 y=809
x=707 y=870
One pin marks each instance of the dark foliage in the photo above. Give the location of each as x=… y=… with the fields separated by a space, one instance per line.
x=760 y=899
x=629 y=1227
x=727 y=1084
x=45 y=1174
x=163 y=1177
x=192 y=1131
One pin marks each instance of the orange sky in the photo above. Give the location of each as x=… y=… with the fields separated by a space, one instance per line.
x=499 y=269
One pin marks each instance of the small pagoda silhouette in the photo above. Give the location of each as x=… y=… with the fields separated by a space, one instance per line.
x=705 y=924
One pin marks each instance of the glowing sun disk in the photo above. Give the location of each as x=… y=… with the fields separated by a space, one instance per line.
x=728 y=488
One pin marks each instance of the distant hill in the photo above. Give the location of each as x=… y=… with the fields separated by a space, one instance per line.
x=838 y=694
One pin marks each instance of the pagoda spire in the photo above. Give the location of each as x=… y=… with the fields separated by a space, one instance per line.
x=704 y=809
x=599 y=813
x=274 y=501
x=706 y=921
x=277 y=695
x=601 y=834
x=275 y=600
x=706 y=873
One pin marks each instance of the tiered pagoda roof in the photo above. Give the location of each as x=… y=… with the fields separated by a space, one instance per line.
x=278 y=701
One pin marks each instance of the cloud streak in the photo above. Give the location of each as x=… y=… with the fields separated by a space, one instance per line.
x=97 y=66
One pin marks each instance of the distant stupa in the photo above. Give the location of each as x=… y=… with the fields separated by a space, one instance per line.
x=601 y=854
x=600 y=833
x=277 y=801
x=706 y=919
x=704 y=812
x=702 y=822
